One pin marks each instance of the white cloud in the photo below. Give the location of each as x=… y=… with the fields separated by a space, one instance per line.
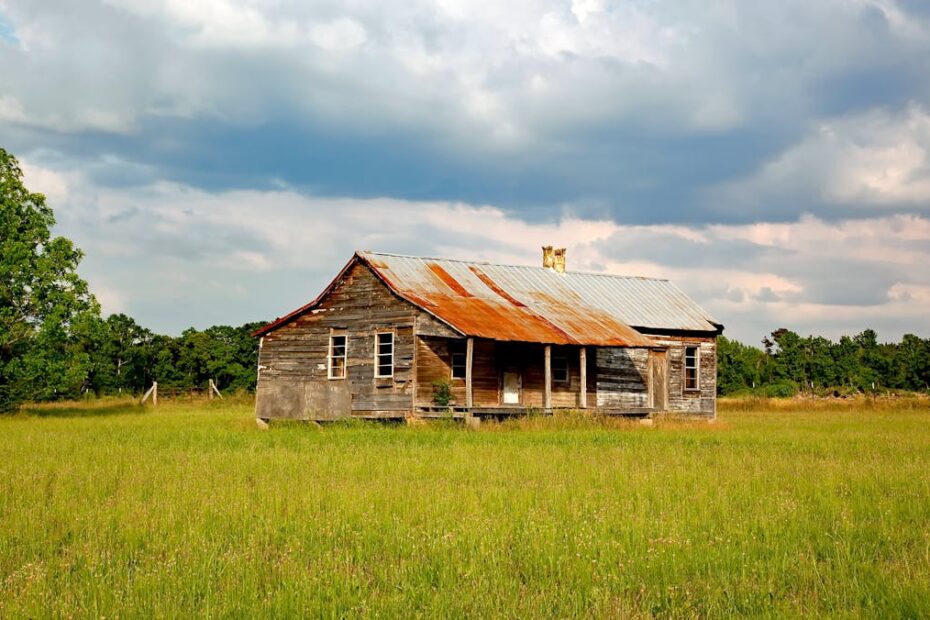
x=340 y=34
x=261 y=252
x=685 y=66
x=626 y=108
x=45 y=181
x=870 y=159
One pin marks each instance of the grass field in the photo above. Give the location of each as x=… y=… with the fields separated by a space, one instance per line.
x=117 y=511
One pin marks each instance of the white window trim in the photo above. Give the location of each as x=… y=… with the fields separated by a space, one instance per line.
x=697 y=368
x=345 y=357
x=378 y=374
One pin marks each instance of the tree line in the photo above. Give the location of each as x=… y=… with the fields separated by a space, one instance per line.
x=55 y=344
x=789 y=363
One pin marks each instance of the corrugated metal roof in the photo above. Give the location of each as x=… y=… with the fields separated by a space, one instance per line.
x=587 y=307
x=534 y=304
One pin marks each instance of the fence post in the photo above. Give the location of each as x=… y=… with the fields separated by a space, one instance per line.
x=213 y=389
x=153 y=392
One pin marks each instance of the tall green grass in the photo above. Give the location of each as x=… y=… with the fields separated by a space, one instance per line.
x=115 y=510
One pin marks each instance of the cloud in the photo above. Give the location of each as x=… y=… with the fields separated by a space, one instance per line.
x=633 y=111
x=175 y=255
x=219 y=159
x=877 y=158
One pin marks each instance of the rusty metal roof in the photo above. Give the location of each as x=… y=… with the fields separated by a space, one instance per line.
x=534 y=304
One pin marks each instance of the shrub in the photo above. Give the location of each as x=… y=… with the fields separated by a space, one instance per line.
x=442 y=393
x=781 y=389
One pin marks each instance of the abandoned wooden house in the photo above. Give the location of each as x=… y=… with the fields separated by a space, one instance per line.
x=402 y=336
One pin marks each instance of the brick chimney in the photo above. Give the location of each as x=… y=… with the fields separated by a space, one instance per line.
x=554 y=258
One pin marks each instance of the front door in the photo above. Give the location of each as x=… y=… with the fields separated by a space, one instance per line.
x=512 y=385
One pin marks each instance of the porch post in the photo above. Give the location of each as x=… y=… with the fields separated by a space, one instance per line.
x=583 y=366
x=469 y=356
x=547 y=402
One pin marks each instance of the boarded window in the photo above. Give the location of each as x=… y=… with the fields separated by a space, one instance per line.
x=560 y=368
x=384 y=354
x=337 y=356
x=692 y=369
x=457 y=352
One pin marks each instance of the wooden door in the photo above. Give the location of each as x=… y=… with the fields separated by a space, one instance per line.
x=512 y=386
x=659 y=387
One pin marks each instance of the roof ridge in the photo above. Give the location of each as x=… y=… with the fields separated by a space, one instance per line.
x=533 y=267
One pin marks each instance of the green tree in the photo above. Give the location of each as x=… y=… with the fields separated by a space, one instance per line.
x=46 y=309
x=739 y=366
x=788 y=353
x=912 y=363
x=121 y=356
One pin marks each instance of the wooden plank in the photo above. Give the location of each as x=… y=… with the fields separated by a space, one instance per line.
x=547 y=400
x=297 y=352
x=583 y=368
x=469 y=357
x=414 y=340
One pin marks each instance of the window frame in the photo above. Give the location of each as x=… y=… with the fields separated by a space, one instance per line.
x=696 y=368
x=344 y=357
x=379 y=355
x=454 y=351
x=568 y=371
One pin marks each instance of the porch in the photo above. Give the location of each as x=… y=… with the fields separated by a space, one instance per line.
x=489 y=378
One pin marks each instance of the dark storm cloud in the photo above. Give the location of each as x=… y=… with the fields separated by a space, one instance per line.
x=152 y=119
x=530 y=118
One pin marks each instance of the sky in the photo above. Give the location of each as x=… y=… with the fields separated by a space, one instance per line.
x=218 y=161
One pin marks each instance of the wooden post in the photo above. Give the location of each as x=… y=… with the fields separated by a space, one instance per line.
x=651 y=380
x=469 y=356
x=155 y=393
x=210 y=389
x=583 y=367
x=148 y=393
x=214 y=390
x=547 y=402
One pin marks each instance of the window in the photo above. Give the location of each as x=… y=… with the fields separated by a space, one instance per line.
x=559 y=368
x=384 y=354
x=692 y=368
x=337 y=356
x=457 y=351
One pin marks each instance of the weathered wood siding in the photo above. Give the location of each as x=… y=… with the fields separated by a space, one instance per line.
x=621 y=377
x=293 y=374
x=428 y=325
x=293 y=377
x=700 y=402
x=434 y=363
x=532 y=360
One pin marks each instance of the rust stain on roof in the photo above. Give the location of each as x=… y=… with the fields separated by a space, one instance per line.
x=494 y=287
x=475 y=304
x=530 y=304
x=447 y=279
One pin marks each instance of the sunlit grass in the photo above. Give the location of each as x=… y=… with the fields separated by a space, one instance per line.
x=109 y=509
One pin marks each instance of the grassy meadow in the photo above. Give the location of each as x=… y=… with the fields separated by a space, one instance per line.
x=777 y=509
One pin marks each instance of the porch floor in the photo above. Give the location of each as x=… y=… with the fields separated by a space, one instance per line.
x=457 y=412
